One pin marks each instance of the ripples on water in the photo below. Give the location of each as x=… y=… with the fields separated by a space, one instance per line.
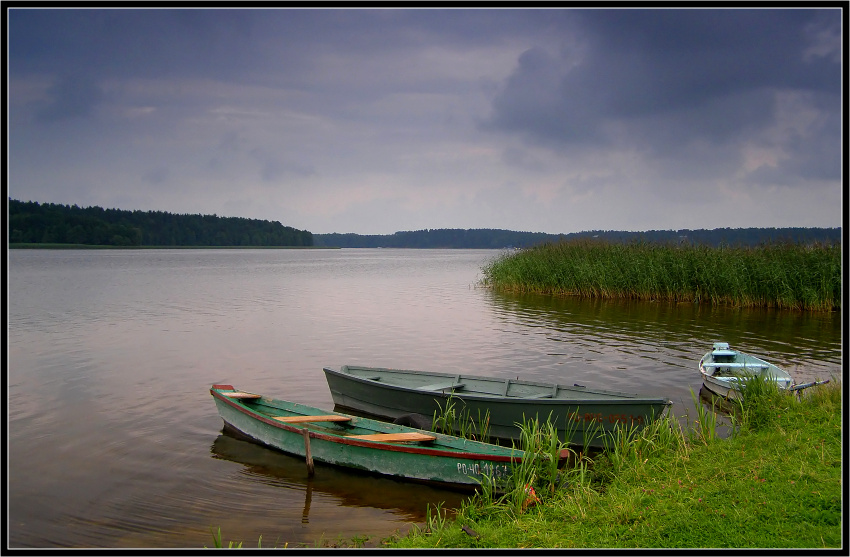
x=115 y=441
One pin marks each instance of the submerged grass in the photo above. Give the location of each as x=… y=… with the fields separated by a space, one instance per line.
x=788 y=276
x=775 y=482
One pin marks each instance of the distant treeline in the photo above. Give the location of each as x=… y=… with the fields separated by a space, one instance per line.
x=483 y=238
x=486 y=238
x=49 y=223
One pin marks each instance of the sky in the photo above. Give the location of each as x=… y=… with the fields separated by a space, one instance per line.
x=374 y=121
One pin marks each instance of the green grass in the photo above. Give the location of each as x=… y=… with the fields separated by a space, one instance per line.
x=775 y=483
x=788 y=276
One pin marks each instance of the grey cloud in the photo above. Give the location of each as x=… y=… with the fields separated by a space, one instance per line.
x=131 y=42
x=533 y=102
x=71 y=96
x=807 y=161
x=234 y=149
x=521 y=158
x=156 y=175
x=273 y=167
x=238 y=42
x=667 y=76
x=226 y=152
x=712 y=124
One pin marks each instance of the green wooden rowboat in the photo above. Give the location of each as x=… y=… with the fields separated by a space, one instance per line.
x=580 y=414
x=361 y=443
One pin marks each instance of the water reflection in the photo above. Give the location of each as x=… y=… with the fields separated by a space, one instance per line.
x=717 y=404
x=629 y=334
x=330 y=486
x=653 y=348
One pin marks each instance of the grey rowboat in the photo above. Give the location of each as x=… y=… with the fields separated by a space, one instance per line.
x=579 y=413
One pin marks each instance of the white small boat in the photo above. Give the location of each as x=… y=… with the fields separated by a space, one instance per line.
x=726 y=371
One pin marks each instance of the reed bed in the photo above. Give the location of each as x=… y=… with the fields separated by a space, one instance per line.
x=785 y=276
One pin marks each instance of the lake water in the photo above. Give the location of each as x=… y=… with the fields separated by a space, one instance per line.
x=113 y=438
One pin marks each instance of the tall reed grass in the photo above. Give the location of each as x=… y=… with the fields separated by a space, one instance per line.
x=787 y=276
x=762 y=402
x=547 y=468
x=454 y=419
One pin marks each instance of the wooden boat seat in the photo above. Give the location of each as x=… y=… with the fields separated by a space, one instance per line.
x=239 y=394
x=394 y=437
x=441 y=386
x=301 y=419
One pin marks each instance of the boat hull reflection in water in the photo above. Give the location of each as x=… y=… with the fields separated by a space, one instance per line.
x=330 y=487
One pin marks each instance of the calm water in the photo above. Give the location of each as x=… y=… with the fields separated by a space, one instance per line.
x=114 y=440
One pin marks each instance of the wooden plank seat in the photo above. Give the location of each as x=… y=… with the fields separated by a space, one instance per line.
x=441 y=386
x=240 y=394
x=394 y=437
x=302 y=419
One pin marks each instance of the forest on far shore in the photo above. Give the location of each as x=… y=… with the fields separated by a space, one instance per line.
x=49 y=223
x=32 y=223
x=487 y=238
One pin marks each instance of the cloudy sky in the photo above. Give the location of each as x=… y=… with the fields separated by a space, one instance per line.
x=374 y=121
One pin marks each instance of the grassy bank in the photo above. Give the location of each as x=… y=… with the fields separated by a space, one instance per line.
x=788 y=276
x=775 y=483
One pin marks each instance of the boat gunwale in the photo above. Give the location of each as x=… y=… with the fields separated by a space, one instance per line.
x=621 y=397
x=377 y=445
x=756 y=363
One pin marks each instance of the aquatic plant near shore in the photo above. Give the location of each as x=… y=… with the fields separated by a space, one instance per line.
x=450 y=420
x=706 y=423
x=785 y=276
x=548 y=465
